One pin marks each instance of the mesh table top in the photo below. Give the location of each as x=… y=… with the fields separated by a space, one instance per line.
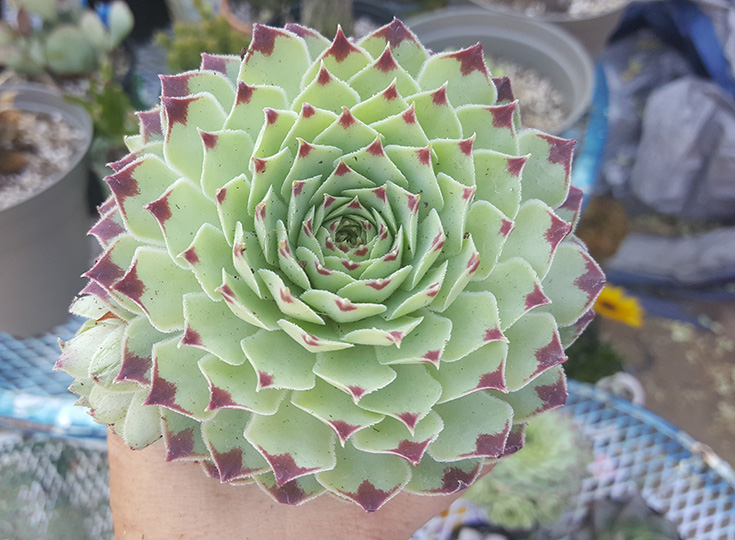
x=634 y=450
x=32 y=395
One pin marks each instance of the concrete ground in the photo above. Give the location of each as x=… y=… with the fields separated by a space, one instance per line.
x=687 y=370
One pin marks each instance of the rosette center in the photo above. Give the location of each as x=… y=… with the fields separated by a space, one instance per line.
x=350 y=233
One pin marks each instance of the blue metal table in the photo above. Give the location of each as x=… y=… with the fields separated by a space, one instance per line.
x=53 y=462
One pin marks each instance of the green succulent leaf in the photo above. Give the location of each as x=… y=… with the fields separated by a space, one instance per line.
x=548 y=168
x=175 y=387
x=182 y=437
x=383 y=104
x=432 y=477
x=156 y=285
x=408 y=399
x=535 y=214
x=465 y=73
x=294 y=492
x=573 y=283
x=183 y=119
x=383 y=71
x=435 y=114
x=141 y=426
x=404 y=45
x=495 y=127
x=540 y=350
x=356 y=374
x=273 y=437
x=545 y=392
x=487 y=422
x=518 y=290
x=224 y=437
x=108 y=407
x=239 y=387
x=483 y=369
x=227 y=154
x=137 y=358
x=498 y=179
x=368 y=479
x=270 y=47
x=335 y=408
x=390 y=437
x=133 y=187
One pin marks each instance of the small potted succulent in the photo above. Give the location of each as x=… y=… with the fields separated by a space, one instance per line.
x=331 y=270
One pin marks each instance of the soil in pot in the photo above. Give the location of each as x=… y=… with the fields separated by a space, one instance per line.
x=542 y=103
x=48 y=145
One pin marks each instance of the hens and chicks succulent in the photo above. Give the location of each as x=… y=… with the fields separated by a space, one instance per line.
x=334 y=267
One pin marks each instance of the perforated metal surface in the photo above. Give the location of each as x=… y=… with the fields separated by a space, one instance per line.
x=54 y=489
x=634 y=450
x=35 y=398
x=25 y=364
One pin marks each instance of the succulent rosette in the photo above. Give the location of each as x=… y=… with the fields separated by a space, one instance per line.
x=334 y=267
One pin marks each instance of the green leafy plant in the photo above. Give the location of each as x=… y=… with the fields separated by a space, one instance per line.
x=591 y=358
x=113 y=117
x=71 y=40
x=534 y=486
x=189 y=38
x=334 y=267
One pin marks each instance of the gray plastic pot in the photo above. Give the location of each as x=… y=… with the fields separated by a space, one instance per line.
x=550 y=51
x=43 y=243
x=593 y=31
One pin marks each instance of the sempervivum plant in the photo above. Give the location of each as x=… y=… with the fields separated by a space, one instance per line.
x=334 y=266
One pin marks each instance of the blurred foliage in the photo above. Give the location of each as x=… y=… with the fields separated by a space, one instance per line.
x=62 y=38
x=113 y=117
x=109 y=106
x=189 y=39
x=590 y=358
x=532 y=487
